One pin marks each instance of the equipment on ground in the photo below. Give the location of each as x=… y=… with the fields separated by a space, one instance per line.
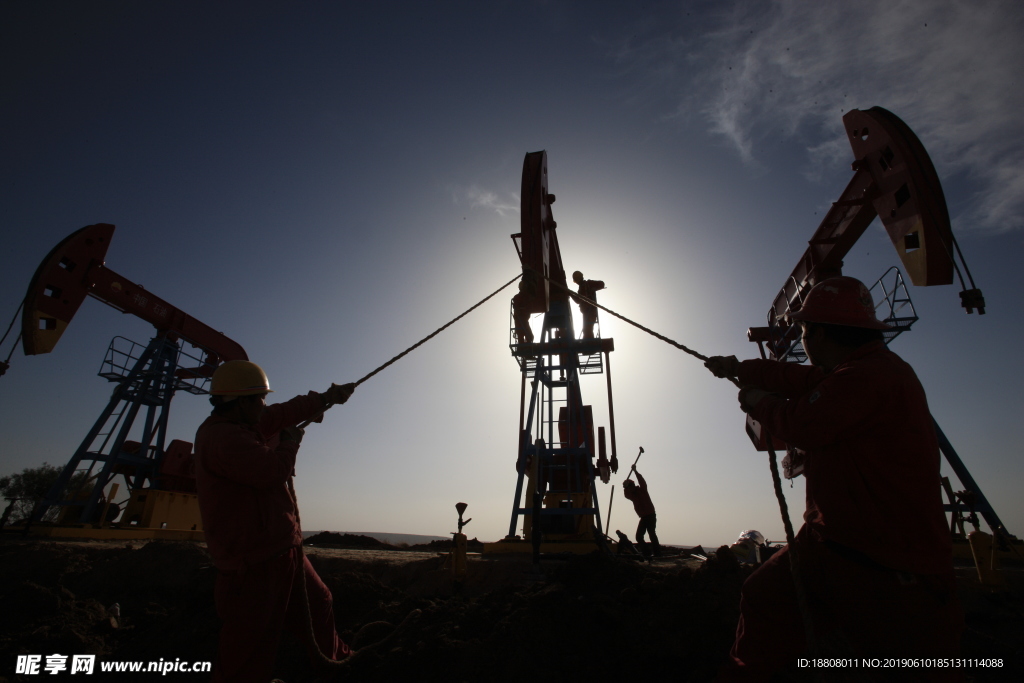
x=159 y=476
x=894 y=179
x=458 y=552
x=608 y=518
x=557 y=448
x=626 y=547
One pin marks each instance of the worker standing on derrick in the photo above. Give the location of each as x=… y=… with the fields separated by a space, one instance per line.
x=521 y=314
x=589 y=289
x=874 y=553
x=245 y=457
x=645 y=511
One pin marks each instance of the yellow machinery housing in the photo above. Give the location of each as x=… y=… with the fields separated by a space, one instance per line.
x=155 y=509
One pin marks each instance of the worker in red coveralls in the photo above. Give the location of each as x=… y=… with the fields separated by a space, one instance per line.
x=645 y=511
x=589 y=289
x=245 y=456
x=521 y=314
x=874 y=552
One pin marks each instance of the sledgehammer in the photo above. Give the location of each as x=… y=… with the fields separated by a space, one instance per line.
x=635 y=462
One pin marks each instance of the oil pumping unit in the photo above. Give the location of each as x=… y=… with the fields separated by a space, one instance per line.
x=557 y=447
x=159 y=475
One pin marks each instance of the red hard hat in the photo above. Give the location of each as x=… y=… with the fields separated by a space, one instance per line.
x=839 y=301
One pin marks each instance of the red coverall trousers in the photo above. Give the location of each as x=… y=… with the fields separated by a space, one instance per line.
x=857 y=610
x=256 y=604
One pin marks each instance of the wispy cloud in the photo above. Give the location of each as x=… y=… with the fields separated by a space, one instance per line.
x=478 y=197
x=952 y=69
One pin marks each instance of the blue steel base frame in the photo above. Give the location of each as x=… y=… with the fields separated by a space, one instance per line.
x=147 y=378
x=552 y=368
x=981 y=503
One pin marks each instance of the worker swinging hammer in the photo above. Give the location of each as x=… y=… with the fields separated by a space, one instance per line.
x=644 y=508
x=245 y=457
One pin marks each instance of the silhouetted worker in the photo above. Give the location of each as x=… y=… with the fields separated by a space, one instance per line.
x=245 y=456
x=521 y=316
x=625 y=546
x=645 y=511
x=875 y=553
x=589 y=289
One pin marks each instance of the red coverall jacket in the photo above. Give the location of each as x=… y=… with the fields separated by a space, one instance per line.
x=242 y=480
x=589 y=289
x=872 y=464
x=640 y=497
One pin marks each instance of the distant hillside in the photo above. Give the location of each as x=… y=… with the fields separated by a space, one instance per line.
x=393 y=539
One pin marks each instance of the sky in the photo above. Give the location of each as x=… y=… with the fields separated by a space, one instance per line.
x=327 y=183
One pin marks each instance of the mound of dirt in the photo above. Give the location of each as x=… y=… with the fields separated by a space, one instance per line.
x=59 y=598
x=506 y=621
x=443 y=546
x=332 y=539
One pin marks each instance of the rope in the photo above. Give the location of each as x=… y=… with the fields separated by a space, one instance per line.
x=439 y=330
x=8 y=360
x=631 y=322
x=335 y=665
x=7 y=363
x=20 y=306
x=424 y=340
x=794 y=555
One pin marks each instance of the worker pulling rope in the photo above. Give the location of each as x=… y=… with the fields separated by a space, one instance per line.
x=234 y=447
x=421 y=342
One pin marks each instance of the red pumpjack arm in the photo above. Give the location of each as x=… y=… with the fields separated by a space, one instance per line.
x=75 y=269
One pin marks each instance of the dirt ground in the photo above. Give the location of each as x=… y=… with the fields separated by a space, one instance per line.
x=596 y=618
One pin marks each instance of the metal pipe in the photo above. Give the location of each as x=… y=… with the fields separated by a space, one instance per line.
x=522 y=400
x=981 y=502
x=608 y=522
x=611 y=409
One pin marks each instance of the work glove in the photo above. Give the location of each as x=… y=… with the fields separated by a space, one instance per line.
x=725 y=367
x=749 y=397
x=339 y=393
x=292 y=434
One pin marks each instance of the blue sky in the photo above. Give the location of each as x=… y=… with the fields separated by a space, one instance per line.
x=326 y=183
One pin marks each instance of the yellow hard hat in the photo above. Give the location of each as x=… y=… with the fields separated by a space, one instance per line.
x=239 y=378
